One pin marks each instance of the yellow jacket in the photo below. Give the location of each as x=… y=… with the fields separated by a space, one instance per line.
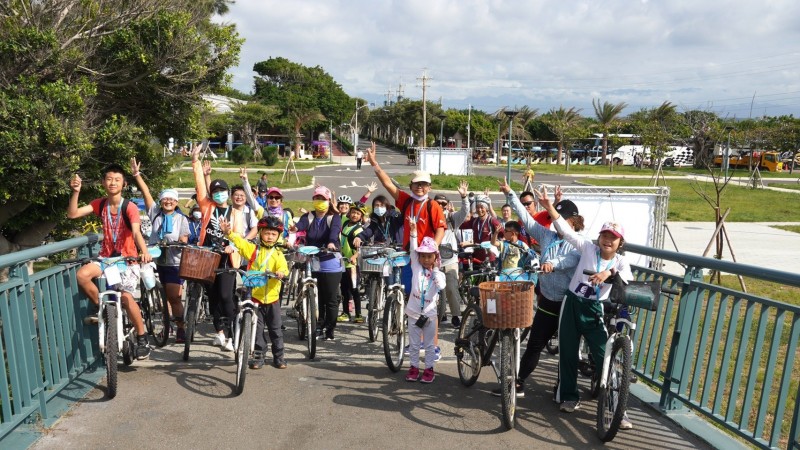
x=266 y=259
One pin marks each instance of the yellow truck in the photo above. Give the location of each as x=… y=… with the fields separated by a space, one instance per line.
x=769 y=161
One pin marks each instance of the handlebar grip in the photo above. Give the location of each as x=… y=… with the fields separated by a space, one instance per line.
x=589 y=272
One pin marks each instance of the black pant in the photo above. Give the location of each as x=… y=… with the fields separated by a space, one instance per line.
x=545 y=325
x=327 y=285
x=358 y=163
x=221 y=299
x=350 y=291
x=270 y=315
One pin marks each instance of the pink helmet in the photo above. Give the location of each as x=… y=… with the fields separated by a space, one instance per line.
x=428 y=245
x=323 y=191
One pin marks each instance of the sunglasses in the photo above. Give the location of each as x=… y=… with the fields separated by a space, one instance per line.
x=442 y=204
x=420 y=184
x=272 y=197
x=526 y=204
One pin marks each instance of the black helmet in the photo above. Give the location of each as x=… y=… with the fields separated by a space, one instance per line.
x=271 y=223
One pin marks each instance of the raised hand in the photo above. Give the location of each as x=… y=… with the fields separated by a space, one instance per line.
x=542 y=198
x=196 y=152
x=486 y=192
x=558 y=194
x=206 y=168
x=243 y=173
x=504 y=185
x=75 y=183
x=463 y=188
x=369 y=156
x=224 y=225
x=412 y=226
x=135 y=167
x=372 y=187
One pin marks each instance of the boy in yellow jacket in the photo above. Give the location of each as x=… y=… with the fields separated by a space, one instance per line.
x=265 y=256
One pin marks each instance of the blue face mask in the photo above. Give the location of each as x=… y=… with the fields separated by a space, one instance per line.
x=380 y=211
x=220 y=197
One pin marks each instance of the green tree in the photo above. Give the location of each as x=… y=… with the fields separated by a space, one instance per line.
x=248 y=119
x=607 y=115
x=84 y=83
x=565 y=124
x=306 y=95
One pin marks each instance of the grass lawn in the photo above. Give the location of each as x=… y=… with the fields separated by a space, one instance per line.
x=786 y=186
x=477 y=183
x=792 y=228
x=597 y=170
x=185 y=179
x=186 y=164
x=747 y=205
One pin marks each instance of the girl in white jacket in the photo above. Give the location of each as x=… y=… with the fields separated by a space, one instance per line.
x=426 y=282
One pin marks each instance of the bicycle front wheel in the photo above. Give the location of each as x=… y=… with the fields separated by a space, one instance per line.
x=508 y=378
x=394 y=336
x=613 y=399
x=375 y=296
x=243 y=349
x=158 y=325
x=468 y=346
x=112 y=349
x=310 y=311
x=191 y=312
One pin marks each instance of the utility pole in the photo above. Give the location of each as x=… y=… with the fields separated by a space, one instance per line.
x=424 y=80
x=469 y=122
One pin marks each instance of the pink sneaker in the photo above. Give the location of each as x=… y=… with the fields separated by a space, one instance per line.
x=428 y=376
x=413 y=374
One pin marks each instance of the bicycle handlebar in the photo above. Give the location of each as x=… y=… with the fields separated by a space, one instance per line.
x=106 y=259
x=664 y=290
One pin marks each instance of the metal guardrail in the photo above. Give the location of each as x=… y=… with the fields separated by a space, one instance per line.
x=729 y=356
x=44 y=344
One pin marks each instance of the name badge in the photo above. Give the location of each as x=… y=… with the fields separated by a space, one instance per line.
x=112 y=275
x=491 y=306
x=386 y=270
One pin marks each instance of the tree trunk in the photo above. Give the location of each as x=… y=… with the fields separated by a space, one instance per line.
x=297 y=125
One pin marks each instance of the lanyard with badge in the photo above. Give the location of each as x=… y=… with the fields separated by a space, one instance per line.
x=262 y=267
x=415 y=219
x=479 y=229
x=113 y=272
x=114 y=225
x=610 y=263
x=423 y=289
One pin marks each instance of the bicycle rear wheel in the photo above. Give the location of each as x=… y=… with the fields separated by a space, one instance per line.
x=243 y=349
x=192 y=312
x=394 y=336
x=468 y=346
x=376 y=298
x=111 y=350
x=508 y=378
x=310 y=319
x=158 y=324
x=613 y=401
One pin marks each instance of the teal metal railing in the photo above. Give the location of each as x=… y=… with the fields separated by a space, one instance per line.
x=44 y=344
x=732 y=357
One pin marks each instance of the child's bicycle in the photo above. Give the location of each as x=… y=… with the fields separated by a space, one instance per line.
x=306 y=297
x=481 y=329
x=612 y=382
x=374 y=277
x=246 y=322
x=391 y=299
x=115 y=334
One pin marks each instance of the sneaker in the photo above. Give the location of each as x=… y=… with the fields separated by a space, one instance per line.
x=228 y=347
x=359 y=319
x=142 y=348
x=219 y=340
x=180 y=336
x=279 y=364
x=570 y=406
x=318 y=332
x=437 y=353
x=344 y=317
x=428 y=376
x=257 y=362
x=443 y=318
x=413 y=374
x=329 y=336
x=497 y=392
x=405 y=350
x=626 y=423
x=91 y=316
x=456 y=321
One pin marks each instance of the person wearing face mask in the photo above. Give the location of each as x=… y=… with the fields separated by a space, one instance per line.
x=384 y=225
x=195 y=221
x=450 y=258
x=483 y=226
x=213 y=203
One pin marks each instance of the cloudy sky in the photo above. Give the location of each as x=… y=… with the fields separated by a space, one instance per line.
x=698 y=54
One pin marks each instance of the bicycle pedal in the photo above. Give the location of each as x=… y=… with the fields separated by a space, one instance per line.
x=90 y=320
x=634 y=378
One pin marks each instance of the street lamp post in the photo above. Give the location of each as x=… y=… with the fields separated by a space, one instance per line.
x=442 y=116
x=330 y=144
x=510 y=115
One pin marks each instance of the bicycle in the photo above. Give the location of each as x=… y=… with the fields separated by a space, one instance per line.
x=246 y=323
x=470 y=277
x=307 y=295
x=374 y=276
x=392 y=299
x=116 y=334
x=479 y=334
x=612 y=382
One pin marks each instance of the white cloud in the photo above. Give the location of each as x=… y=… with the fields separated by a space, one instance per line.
x=491 y=53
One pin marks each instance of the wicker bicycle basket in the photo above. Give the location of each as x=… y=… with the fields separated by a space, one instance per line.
x=513 y=304
x=198 y=265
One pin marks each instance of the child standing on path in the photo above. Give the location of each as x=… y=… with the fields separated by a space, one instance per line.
x=426 y=282
x=583 y=304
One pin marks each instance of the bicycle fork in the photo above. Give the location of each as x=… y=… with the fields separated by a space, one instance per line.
x=244 y=306
x=609 y=347
x=109 y=298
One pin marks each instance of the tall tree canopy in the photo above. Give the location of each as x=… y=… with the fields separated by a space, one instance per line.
x=306 y=95
x=84 y=83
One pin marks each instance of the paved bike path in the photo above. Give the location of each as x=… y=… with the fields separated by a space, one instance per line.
x=346 y=398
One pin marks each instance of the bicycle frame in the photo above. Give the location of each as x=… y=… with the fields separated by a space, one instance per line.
x=612 y=324
x=245 y=305
x=109 y=297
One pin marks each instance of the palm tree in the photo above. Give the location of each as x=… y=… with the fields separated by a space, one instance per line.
x=563 y=123
x=607 y=114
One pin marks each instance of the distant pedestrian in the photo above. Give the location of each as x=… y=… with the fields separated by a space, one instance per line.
x=359 y=158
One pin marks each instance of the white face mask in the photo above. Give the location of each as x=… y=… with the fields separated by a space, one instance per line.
x=380 y=211
x=197 y=215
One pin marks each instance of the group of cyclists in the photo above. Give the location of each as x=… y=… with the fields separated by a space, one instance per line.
x=252 y=228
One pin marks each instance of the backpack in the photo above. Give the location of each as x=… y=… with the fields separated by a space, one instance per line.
x=410 y=202
x=123 y=207
x=310 y=216
x=350 y=237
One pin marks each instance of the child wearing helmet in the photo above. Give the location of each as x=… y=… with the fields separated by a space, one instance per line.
x=264 y=256
x=343 y=203
x=353 y=234
x=426 y=282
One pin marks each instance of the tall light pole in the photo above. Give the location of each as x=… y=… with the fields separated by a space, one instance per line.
x=442 y=116
x=510 y=115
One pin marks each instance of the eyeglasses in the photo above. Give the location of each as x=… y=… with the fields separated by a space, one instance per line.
x=272 y=197
x=442 y=204
x=526 y=204
x=420 y=184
